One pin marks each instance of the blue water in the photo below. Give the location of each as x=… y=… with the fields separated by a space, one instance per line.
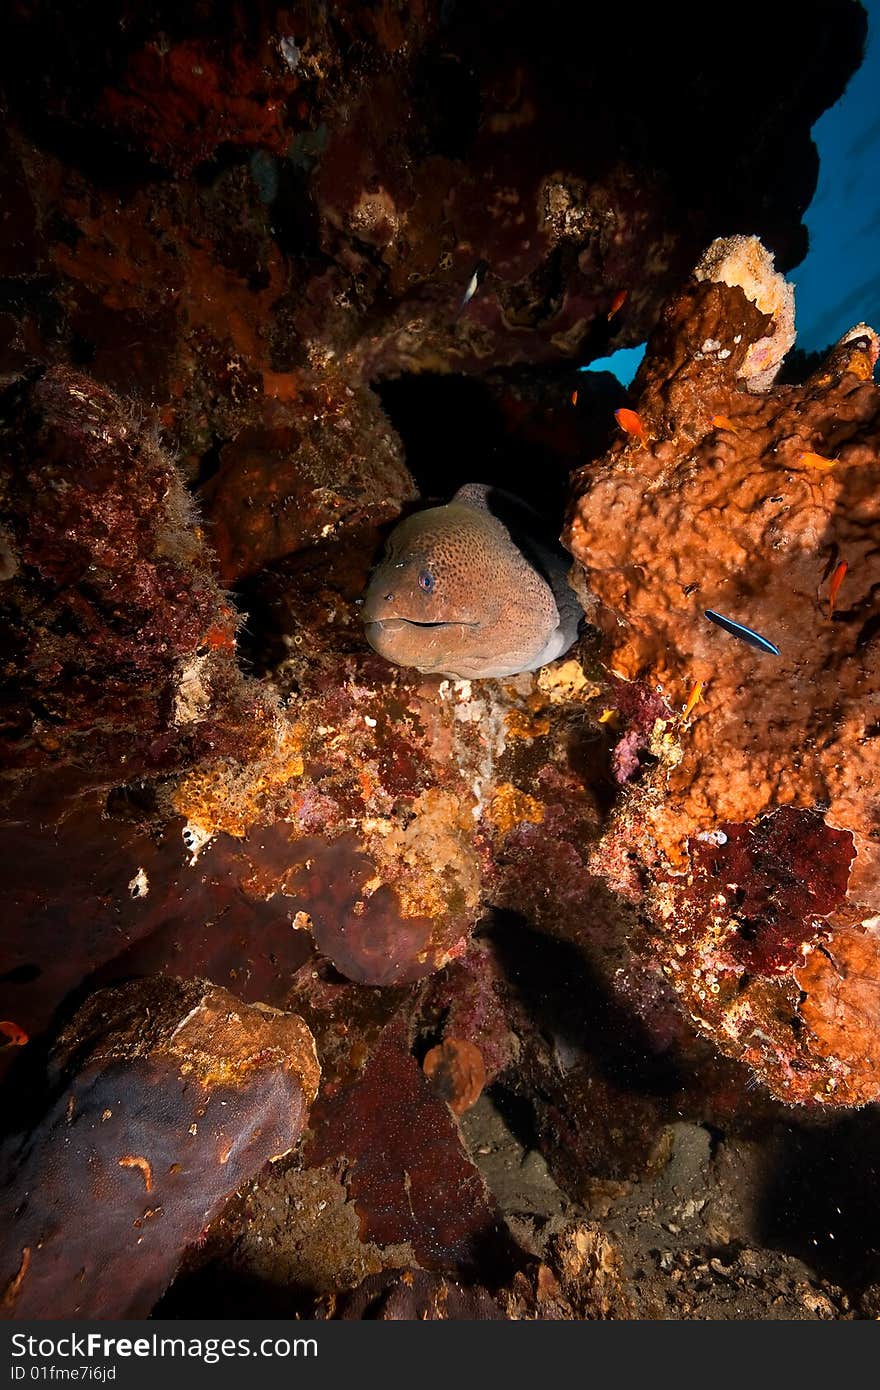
x=624 y=363
x=838 y=283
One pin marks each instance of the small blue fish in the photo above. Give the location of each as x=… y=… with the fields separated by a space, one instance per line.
x=745 y=634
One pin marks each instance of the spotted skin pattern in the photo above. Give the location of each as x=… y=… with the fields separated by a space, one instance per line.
x=456 y=594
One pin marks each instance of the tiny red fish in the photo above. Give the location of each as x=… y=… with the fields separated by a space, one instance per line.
x=574 y=397
x=721 y=422
x=837 y=579
x=15 y=1036
x=815 y=460
x=629 y=421
x=617 y=303
x=693 y=699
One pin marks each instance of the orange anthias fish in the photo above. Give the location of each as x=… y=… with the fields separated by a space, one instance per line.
x=15 y=1036
x=721 y=422
x=629 y=421
x=815 y=460
x=693 y=699
x=618 y=302
x=837 y=579
x=574 y=397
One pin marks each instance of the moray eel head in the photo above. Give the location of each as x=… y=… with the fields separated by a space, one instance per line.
x=424 y=602
x=463 y=591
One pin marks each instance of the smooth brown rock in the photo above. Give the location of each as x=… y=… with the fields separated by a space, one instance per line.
x=165 y=1097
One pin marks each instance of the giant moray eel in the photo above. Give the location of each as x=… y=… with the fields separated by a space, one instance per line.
x=472 y=589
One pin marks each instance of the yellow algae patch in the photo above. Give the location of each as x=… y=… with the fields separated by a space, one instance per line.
x=567 y=681
x=223 y=1042
x=864 y=349
x=432 y=863
x=664 y=744
x=520 y=724
x=510 y=806
x=231 y=796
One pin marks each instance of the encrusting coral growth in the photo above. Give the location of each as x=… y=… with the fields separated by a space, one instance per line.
x=767 y=494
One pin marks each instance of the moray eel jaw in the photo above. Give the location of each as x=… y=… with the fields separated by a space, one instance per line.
x=395 y=624
x=408 y=642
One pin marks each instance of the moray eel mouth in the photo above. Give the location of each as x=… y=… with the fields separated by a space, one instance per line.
x=398 y=624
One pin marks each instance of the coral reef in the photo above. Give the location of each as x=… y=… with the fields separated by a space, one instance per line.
x=166 y=1096
x=299 y=186
x=766 y=493
x=120 y=650
x=408 y=1176
x=745 y=263
x=329 y=989
x=731 y=475
x=329 y=454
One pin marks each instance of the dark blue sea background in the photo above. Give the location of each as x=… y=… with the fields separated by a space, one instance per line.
x=837 y=285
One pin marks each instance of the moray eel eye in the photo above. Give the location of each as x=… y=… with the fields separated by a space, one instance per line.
x=426 y=581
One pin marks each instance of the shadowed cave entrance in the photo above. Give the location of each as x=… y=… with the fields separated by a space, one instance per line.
x=517 y=430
